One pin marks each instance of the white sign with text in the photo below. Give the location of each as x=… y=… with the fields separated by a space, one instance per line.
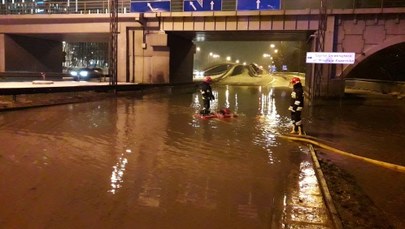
x=330 y=57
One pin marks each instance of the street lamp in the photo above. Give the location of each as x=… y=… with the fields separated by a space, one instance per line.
x=270 y=66
x=215 y=56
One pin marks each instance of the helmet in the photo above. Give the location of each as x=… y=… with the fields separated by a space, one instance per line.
x=207 y=79
x=295 y=80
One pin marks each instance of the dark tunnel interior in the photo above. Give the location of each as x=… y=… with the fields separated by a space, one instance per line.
x=387 y=64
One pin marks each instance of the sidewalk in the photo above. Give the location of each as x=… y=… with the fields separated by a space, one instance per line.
x=308 y=204
x=48 y=83
x=19 y=95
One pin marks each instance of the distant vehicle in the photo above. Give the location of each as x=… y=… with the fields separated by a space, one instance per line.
x=87 y=73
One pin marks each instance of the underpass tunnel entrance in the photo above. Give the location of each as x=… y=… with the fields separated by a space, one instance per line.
x=386 y=64
x=29 y=55
x=268 y=56
x=85 y=55
x=267 y=51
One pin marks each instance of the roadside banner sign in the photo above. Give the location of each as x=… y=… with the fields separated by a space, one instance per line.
x=202 y=5
x=258 y=5
x=150 y=6
x=330 y=57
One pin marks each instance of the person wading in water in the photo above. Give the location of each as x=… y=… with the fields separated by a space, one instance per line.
x=296 y=105
x=207 y=96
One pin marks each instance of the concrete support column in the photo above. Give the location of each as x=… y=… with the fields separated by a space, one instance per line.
x=148 y=57
x=121 y=55
x=331 y=86
x=2 y=54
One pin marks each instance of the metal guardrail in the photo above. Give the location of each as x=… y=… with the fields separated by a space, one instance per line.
x=102 y=6
x=62 y=7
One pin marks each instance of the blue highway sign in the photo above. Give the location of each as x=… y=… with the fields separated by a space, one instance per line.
x=202 y=5
x=150 y=6
x=258 y=5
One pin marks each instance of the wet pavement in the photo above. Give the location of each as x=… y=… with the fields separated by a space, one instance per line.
x=369 y=125
x=144 y=161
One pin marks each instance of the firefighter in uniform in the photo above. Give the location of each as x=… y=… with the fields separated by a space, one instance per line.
x=296 y=105
x=207 y=96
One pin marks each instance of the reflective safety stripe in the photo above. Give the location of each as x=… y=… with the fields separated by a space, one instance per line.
x=298 y=123
x=293 y=95
x=299 y=108
x=297 y=102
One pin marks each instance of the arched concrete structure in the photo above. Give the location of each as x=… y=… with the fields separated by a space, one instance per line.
x=372 y=50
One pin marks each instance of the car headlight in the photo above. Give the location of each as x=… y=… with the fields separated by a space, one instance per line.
x=84 y=73
x=73 y=73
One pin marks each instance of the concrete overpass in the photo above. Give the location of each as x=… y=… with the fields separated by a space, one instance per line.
x=158 y=47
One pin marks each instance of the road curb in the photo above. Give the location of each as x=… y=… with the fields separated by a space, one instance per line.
x=337 y=223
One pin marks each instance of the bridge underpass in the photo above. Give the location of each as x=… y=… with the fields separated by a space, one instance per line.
x=240 y=47
x=387 y=64
x=159 y=48
x=51 y=53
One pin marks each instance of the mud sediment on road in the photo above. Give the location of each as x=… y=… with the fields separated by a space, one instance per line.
x=355 y=208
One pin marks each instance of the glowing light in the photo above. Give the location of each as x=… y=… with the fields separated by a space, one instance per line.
x=227 y=97
x=118 y=173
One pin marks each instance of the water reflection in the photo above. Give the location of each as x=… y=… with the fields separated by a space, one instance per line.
x=118 y=173
x=151 y=157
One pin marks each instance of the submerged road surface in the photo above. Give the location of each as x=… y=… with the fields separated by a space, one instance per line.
x=146 y=162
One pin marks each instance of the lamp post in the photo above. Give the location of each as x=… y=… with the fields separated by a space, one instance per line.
x=269 y=66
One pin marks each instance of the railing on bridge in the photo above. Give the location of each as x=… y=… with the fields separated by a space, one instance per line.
x=102 y=6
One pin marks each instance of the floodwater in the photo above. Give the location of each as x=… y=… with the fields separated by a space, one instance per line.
x=371 y=126
x=145 y=162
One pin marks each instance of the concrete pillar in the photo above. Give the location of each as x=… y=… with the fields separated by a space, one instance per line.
x=2 y=53
x=121 y=55
x=331 y=86
x=158 y=53
x=147 y=57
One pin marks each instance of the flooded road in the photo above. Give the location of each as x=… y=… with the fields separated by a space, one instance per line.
x=371 y=126
x=146 y=162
